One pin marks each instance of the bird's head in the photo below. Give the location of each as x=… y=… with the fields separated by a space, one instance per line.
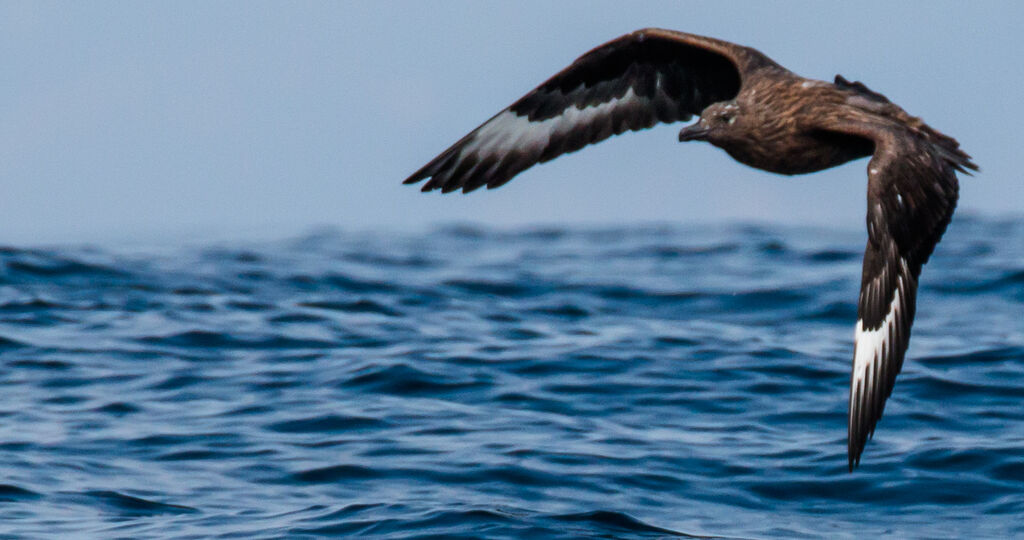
x=716 y=123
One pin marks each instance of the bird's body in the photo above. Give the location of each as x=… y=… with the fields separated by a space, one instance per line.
x=777 y=126
x=764 y=116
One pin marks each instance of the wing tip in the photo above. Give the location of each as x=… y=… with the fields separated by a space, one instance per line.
x=448 y=186
x=864 y=414
x=414 y=179
x=854 y=448
x=421 y=175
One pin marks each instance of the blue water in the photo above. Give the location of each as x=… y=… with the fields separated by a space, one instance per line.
x=467 y=382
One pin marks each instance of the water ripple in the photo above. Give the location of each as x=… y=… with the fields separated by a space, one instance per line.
x=638 y=382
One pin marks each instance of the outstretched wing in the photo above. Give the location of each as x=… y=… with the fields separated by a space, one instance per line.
x=912 y=191
x=630 y=83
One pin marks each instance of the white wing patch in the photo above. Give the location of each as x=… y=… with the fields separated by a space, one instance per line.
x=509 y=131
x=872 y=344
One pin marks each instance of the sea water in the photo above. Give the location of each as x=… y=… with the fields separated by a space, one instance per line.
x=469 y=382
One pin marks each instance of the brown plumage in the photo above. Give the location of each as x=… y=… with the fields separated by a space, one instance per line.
x=764 y=116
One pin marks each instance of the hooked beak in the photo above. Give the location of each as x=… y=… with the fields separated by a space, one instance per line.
x=693 y=132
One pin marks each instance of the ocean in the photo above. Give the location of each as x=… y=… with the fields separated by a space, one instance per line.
x=471 y=382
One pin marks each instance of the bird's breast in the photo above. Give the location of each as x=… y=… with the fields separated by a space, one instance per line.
x=796 y=153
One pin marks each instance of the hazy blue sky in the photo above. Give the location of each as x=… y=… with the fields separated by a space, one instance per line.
x=125 y=120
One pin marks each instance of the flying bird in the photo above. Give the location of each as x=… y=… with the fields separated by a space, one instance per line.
x=764 y=116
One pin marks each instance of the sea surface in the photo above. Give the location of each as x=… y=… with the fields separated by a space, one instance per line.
x=469 y=382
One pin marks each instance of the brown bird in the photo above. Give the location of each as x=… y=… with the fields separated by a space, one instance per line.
x=767 y=117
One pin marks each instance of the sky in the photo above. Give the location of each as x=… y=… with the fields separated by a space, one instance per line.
x=123 y=121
